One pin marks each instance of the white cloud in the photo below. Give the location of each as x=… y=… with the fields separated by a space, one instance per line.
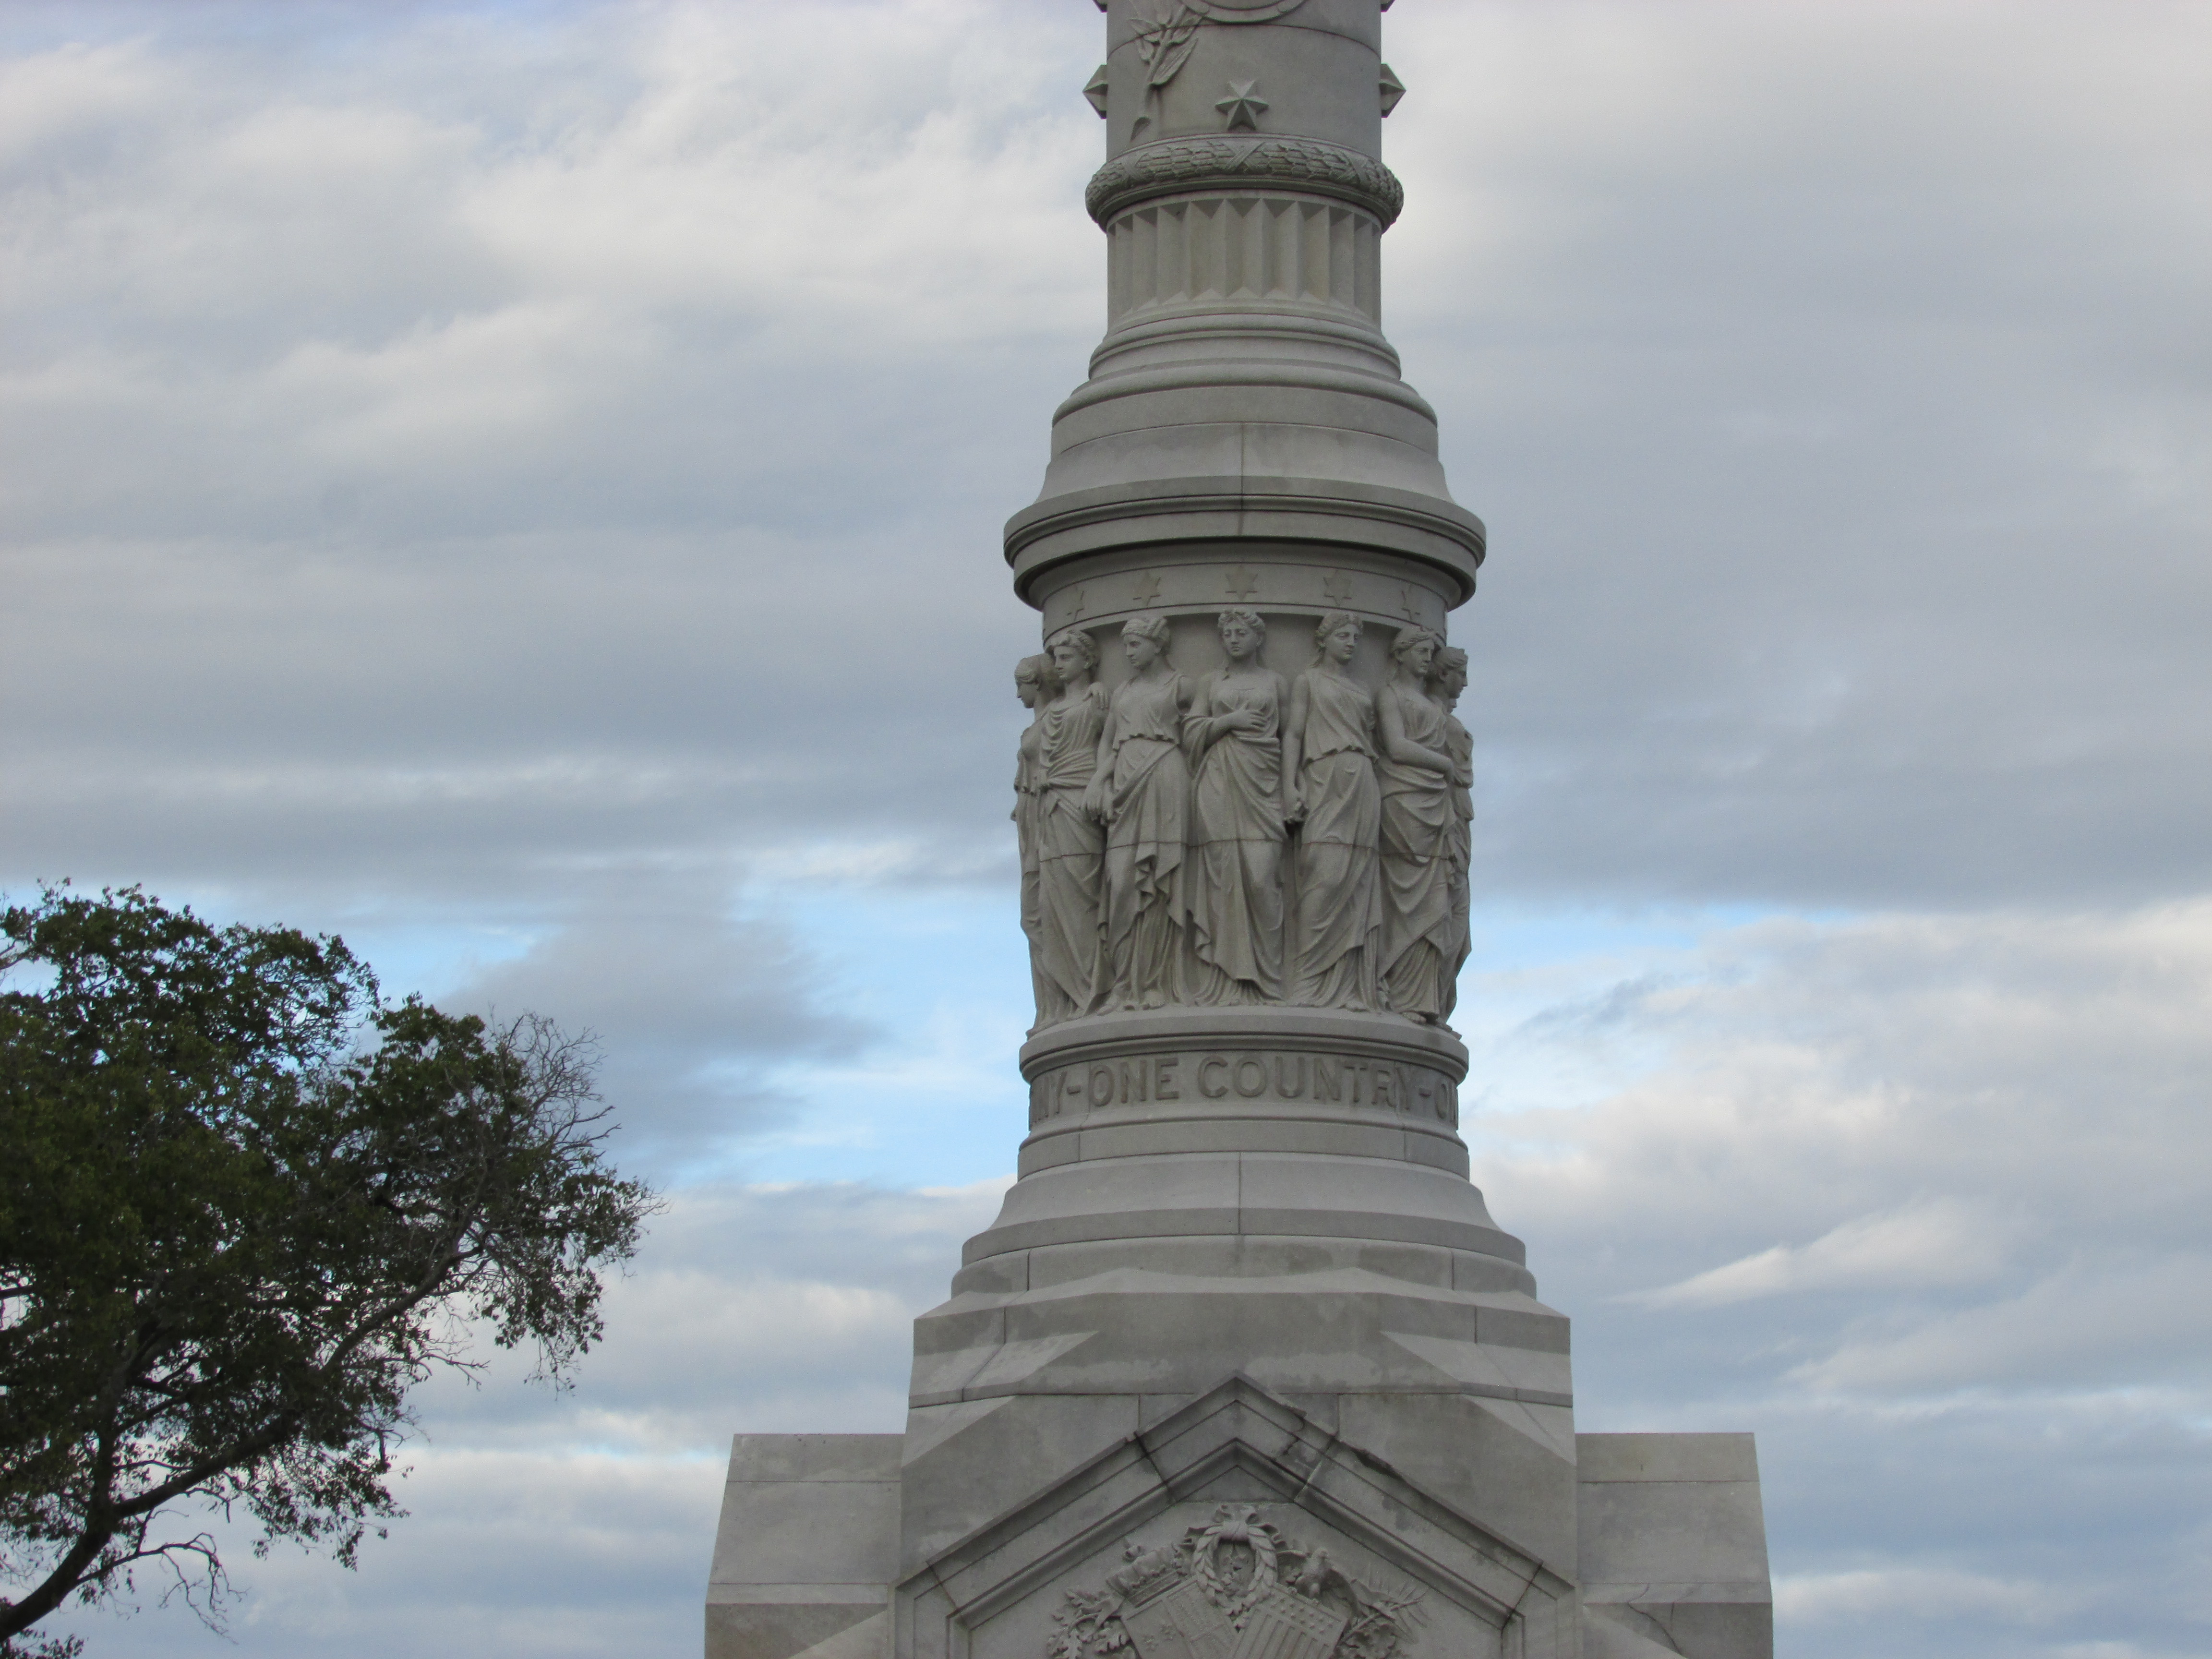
x=1941 y=1242
x=2117 y=1321
x=1916 y=1592
x=1791 y=1080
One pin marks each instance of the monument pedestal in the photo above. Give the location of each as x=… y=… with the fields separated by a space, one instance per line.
x=1244 y=1369
x=1670 y=1539
x=1288 y=1384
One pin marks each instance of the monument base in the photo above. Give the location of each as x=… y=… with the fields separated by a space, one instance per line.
x=1238 y=1526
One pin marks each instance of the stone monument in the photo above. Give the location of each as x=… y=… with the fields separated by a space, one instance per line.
x=1243 y=1370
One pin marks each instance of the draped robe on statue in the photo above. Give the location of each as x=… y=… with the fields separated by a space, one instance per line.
x=1233 y=877
x=1070 y=850
x=1149 y=810
x=1339 y=897
x=1029 y=783
x=1459 y=744
x=1420 y=944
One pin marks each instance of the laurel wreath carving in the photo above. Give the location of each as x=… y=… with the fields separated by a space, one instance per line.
x=1181 y=164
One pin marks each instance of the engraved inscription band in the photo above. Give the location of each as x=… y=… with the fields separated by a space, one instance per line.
x=1284 y=1077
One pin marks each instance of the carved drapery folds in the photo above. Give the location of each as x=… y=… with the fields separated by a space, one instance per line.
x=1240 y=838
x=1338 y=808
x=1071 y=843
x=1034 y=685
x=1234 y=871
x=1447 y=679
x=1141 y=791
x=1415 y=769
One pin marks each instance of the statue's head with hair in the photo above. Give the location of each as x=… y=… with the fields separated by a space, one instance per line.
x=1086 y=648
x=1410 y=640
x=1147 y=625
x=1334 y=620
x=1448 y=673
x=1243 y=617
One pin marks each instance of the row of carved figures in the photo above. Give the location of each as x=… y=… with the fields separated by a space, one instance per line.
x=1236 y=837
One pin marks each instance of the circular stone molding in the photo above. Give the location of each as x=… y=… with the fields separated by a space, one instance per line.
x=1182 y=164
x=1242 y=11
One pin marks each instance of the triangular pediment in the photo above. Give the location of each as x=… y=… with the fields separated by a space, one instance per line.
x=1238 y=1476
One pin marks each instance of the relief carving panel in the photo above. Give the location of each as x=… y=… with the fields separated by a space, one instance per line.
x=1236 y=1587
x=1241 y=837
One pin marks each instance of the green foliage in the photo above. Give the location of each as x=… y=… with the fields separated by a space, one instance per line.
x=231 y=1241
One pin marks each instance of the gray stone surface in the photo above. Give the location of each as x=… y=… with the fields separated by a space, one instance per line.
x=1245 y=392
x=1458 y=1586
x=806 y=1549
x=1244 y=1368
x=1673 y=1543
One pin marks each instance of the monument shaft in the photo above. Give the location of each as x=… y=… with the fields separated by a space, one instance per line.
x=1244 y=1368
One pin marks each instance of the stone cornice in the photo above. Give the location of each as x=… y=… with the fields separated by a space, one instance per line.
x=1177 y=165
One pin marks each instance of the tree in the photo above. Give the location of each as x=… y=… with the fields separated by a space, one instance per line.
x=246 y=1206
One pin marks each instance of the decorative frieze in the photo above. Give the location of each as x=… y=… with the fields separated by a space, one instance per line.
x=1243 y=838
x=1236 y=1587
x=1188 y=165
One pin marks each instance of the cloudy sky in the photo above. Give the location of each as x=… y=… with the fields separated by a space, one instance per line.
x=519 y=484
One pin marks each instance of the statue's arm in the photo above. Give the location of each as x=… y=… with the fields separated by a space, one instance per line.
x=1294 y=731
x=1400 y=747
x=1197 y=721
x=1102 y=767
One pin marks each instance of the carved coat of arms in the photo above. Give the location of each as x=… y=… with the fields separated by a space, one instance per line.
x=1235 y=1587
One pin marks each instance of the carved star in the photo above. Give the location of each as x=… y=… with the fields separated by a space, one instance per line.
x=1242 y=108
x=1242 y=583
x=1407 y=605
x=1146 y=587
x=1094 y=91
x=1336 y=588
x=1074 y=603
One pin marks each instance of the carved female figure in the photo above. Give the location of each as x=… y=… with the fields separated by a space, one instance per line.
x=1071 y=845
x=1233 y=875
x=1447 y=679
x=1033 y=685
x=1415 y=773
x=1330 y=789
x=1141 y=790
